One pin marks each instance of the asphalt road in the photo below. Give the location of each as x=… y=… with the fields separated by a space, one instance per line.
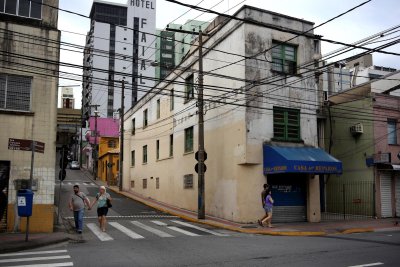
x=140 y=236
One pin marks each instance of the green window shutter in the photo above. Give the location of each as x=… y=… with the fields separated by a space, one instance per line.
x=286 y=124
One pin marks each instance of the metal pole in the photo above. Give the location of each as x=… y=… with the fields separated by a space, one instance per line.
x=95 y=146
x=344 y=202
x=30 y=178
x=59 y=190
x=80 y=150
x=201 y=195
x=121 y=142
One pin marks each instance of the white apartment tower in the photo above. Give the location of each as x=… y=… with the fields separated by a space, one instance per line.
x=120 y=46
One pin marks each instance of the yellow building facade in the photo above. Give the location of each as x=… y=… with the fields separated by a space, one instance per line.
x=108 y=163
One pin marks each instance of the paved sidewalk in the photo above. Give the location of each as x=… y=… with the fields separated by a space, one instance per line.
x=13 y=242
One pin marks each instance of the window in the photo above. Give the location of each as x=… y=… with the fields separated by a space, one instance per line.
x=158 y=108
x=133 y=158
x=145 y=121
x=112 y=144
x=132 y=184
x=171 y=101
x=15 y=92
x=158 y=149
x=171 y=145
x=144 y=154
x=189 y=88
x=144 y=183
x=284 y=58
x=24 y=8
x=117 y=165
x=133 y=126
x=286 y=124
x=392 y=131
x=157 y=183
x=189 y=139
x=188 y=181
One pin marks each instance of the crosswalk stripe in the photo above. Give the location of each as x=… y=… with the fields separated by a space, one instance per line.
x=36 y=259
x=174 y=228
x=151 y=229
x=198 y=228
x=60 y=264
x=159 y=223
x=33 y=253
x=96 y=230
x=126 y=231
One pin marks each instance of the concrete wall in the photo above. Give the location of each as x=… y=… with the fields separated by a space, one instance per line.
x=42 y=114
x=234 y=134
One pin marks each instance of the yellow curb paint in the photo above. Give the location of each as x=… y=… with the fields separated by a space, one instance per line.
x=357 y=230
x=219 y=225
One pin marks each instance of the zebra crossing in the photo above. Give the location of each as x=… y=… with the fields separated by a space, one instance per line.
x=47 y=258
x=72 y=183
x=149 y=229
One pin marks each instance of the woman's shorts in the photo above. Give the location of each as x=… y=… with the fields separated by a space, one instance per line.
x=102 y=211
x=268 y=209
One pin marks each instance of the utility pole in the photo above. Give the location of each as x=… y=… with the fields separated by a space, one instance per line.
x=95 y=142
x=121 y=142
x=201 y=155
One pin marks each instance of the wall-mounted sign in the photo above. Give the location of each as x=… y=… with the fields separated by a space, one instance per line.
x=25 y=145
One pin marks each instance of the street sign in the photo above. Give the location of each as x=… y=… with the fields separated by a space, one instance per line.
x=196 y=167
x=25 y=145
x=196 y=156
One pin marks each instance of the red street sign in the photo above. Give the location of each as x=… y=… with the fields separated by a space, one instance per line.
x=25 y=145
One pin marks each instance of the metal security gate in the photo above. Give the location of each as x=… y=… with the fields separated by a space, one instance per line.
x=386 y=194
x=289 y=194
x=347 y=200
x=398 y=196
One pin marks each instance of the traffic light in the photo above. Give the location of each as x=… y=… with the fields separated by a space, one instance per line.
x=196 y=167
x=62 y=174
x=64 y=158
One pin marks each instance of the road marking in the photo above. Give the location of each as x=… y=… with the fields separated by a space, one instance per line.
x=198 y=228
x=159 y=223
x=100 y=234
x=36 y=259
x=182 y=231
x=145 y=216
x=126 y=231
x=33 y=253
x=60 y=264
x=368 y=264
x=151 y=229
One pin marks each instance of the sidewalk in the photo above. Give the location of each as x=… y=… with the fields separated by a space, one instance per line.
x=13 y=242
x=282 y=229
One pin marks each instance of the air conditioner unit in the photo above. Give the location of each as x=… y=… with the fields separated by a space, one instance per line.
x=357 y=129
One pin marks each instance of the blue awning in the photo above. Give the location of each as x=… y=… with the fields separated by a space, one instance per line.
x=281 y=159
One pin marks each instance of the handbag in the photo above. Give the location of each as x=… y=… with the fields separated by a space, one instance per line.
x=109 y=205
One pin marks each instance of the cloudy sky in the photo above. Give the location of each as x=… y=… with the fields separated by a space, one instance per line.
x=374 y=17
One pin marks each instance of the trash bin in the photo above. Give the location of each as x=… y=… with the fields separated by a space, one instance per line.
x=25 y=202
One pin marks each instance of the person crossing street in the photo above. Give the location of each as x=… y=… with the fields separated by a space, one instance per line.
x=77 y=203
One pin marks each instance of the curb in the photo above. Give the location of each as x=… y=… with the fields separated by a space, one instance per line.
x=20 y=246
x=219 y=225
x=357 y=230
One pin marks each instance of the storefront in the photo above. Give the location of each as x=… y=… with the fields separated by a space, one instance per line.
x=388 y=190
x=291 y=172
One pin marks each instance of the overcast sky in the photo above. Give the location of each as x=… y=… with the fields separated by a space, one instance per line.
x=374 y=17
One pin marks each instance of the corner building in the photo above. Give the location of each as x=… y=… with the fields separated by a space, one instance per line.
x=119 y=46
x=28 y=107
x=260 y=123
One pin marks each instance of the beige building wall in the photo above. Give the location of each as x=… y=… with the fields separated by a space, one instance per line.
x=29 y=39
x=238 y=120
